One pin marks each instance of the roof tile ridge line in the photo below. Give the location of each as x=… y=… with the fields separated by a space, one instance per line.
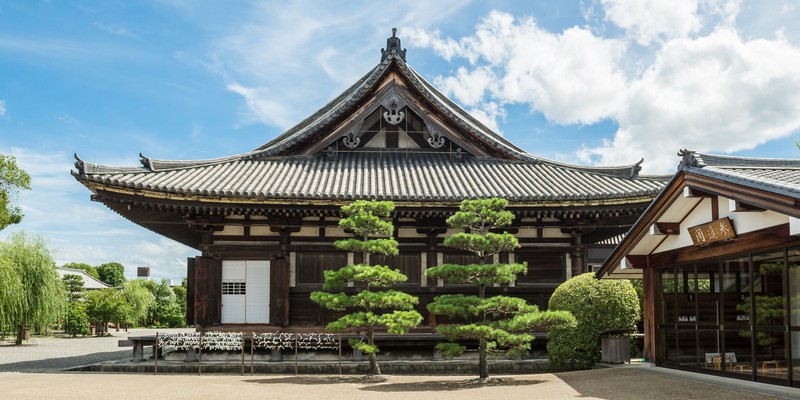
x=749 y=181
x=434 y=93
x=331 y=110
x=627 y=171
x=148 y=162
x=81 y=166
x=728 y=157
x=352 y=92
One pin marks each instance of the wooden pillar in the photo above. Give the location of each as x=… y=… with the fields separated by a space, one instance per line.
x=650 y=288
x=208 y=291
x=279 y=291
x=190 y=291
x=578 y=266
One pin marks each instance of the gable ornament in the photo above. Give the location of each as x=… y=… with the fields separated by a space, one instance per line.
x=437 y=138
x=393 y=104
x=351 y=139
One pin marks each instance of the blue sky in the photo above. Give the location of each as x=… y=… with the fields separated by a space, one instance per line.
x=587 y=82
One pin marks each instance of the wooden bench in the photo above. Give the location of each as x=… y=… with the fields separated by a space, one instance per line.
x=138 y=343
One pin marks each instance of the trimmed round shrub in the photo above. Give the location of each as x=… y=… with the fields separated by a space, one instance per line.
x=597 y=305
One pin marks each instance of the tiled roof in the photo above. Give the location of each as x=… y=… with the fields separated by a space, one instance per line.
x=771 y=174
x=278 y=170
x=89 y=282
x=398 y=176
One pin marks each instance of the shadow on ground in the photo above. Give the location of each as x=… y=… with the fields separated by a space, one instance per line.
x=376 y=384
x=448 y=386
x=63 y=363
x=319 y=380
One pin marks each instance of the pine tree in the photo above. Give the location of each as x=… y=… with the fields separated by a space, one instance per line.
x=498 y=323
x=374 y=303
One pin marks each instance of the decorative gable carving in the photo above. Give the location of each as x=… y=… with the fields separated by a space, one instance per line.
x=393 y=104
x=437 y=138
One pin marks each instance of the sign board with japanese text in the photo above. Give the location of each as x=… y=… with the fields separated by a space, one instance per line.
x=712 y=232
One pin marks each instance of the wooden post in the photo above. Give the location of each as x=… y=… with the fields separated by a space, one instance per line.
x=242 y=353
x=340 y=354
x=200 y=354
x=155 y=354
x=252 y=348
x=296 y=344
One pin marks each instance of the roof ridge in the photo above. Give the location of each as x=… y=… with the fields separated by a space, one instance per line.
x=698 y=159
x=355 y=91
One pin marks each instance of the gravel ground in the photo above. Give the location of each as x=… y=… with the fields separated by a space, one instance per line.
x=607 y=383
x=55 y=354
x=47 y=354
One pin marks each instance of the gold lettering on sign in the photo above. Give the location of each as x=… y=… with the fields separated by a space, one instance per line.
x=712 y=232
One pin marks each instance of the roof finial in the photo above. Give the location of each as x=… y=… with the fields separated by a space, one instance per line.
x=393 y=49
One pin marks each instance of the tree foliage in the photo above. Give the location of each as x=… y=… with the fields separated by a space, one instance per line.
x=500 y=323
x=112 y=273
x=598 y=305
x=165 y=311
x=12 y=179
x=107 y=305
x=75 y=321
x=11 y=293
x=374 y=304
x=74 y=287
x=138 y=295
x=29 y=267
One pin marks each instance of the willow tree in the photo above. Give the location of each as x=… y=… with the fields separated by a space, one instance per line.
x=11 y=293
x=374 y=303
x=12 y=179
x=43 y=296
x=500 y=323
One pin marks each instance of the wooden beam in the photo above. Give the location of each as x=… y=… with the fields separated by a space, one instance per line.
x=636 y=260
x=666 y=228
x=776 y=236
x=738 y=206
x=690 y=192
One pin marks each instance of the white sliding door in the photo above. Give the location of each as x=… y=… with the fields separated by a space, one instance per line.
x=245 y=292
x=257 y=292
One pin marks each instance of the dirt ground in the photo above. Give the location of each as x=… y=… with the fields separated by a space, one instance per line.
x=607 y=383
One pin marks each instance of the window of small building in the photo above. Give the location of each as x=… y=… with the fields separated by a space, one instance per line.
x=310 y=267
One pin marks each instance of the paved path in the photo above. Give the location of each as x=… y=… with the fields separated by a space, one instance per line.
x=60 y=353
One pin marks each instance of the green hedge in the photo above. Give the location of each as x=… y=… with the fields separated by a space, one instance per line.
x=597 y=305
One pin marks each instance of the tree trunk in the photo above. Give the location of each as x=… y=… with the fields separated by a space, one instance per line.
x=483 y=366
x=20 y=334
x=374 y=369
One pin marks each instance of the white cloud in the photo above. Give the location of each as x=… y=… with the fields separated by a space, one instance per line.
x=572 y=77
x=658 y=21
x=715 y=93
x=652 y=20
x=263 y=107
x=2 y=108
x=489 y=113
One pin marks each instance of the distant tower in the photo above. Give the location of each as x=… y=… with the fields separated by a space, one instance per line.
x=143 y=273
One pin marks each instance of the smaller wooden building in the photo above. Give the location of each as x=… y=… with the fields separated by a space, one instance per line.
x=719 y=254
